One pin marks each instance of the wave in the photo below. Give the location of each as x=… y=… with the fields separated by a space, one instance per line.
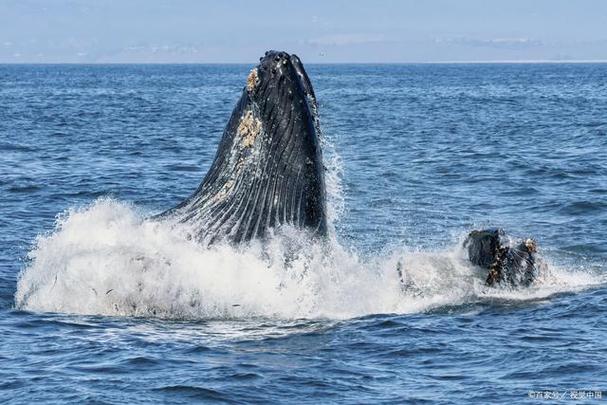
x=108 y=259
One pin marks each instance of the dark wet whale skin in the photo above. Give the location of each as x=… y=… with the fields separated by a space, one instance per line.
x=268 y=169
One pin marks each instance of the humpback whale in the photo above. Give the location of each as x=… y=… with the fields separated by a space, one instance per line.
x=268 y=169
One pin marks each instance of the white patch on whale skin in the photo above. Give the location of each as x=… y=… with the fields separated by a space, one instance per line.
x=225 y=189
x=252 y=80
x=248 y=129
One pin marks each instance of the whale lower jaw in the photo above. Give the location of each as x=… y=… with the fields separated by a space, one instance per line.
x=268 y=169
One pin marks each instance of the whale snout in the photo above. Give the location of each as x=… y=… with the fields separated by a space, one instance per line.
x=283 y=71
x=275 y=64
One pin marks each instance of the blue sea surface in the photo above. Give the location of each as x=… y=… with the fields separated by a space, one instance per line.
x=97 y=305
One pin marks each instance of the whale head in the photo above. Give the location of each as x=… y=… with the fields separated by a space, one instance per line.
x=268 y=170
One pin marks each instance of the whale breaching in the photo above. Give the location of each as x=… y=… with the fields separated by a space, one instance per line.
x=268 y=172
x=268 y=169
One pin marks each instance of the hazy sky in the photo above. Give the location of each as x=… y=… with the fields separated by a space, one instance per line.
x=317 y=30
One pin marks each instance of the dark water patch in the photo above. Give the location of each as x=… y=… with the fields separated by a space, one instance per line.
x=84 y=195
x=245 y=376
x=142 y=361
x=24 y=189
x=199 y=349
x=14 y=147
x=34 y=321
x=182 y=168
x=194 y=393
x=11 y=384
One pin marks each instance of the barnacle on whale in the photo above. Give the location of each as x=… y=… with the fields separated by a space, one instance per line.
x=252 y=80
x=248 y=129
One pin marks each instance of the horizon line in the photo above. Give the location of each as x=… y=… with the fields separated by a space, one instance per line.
x=446 y=62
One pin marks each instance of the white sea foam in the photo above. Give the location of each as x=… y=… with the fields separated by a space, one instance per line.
x=108 y=259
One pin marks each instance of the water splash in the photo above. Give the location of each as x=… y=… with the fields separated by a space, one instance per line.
x=108 y=259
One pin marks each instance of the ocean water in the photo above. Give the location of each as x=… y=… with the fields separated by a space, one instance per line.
x=98 y=304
